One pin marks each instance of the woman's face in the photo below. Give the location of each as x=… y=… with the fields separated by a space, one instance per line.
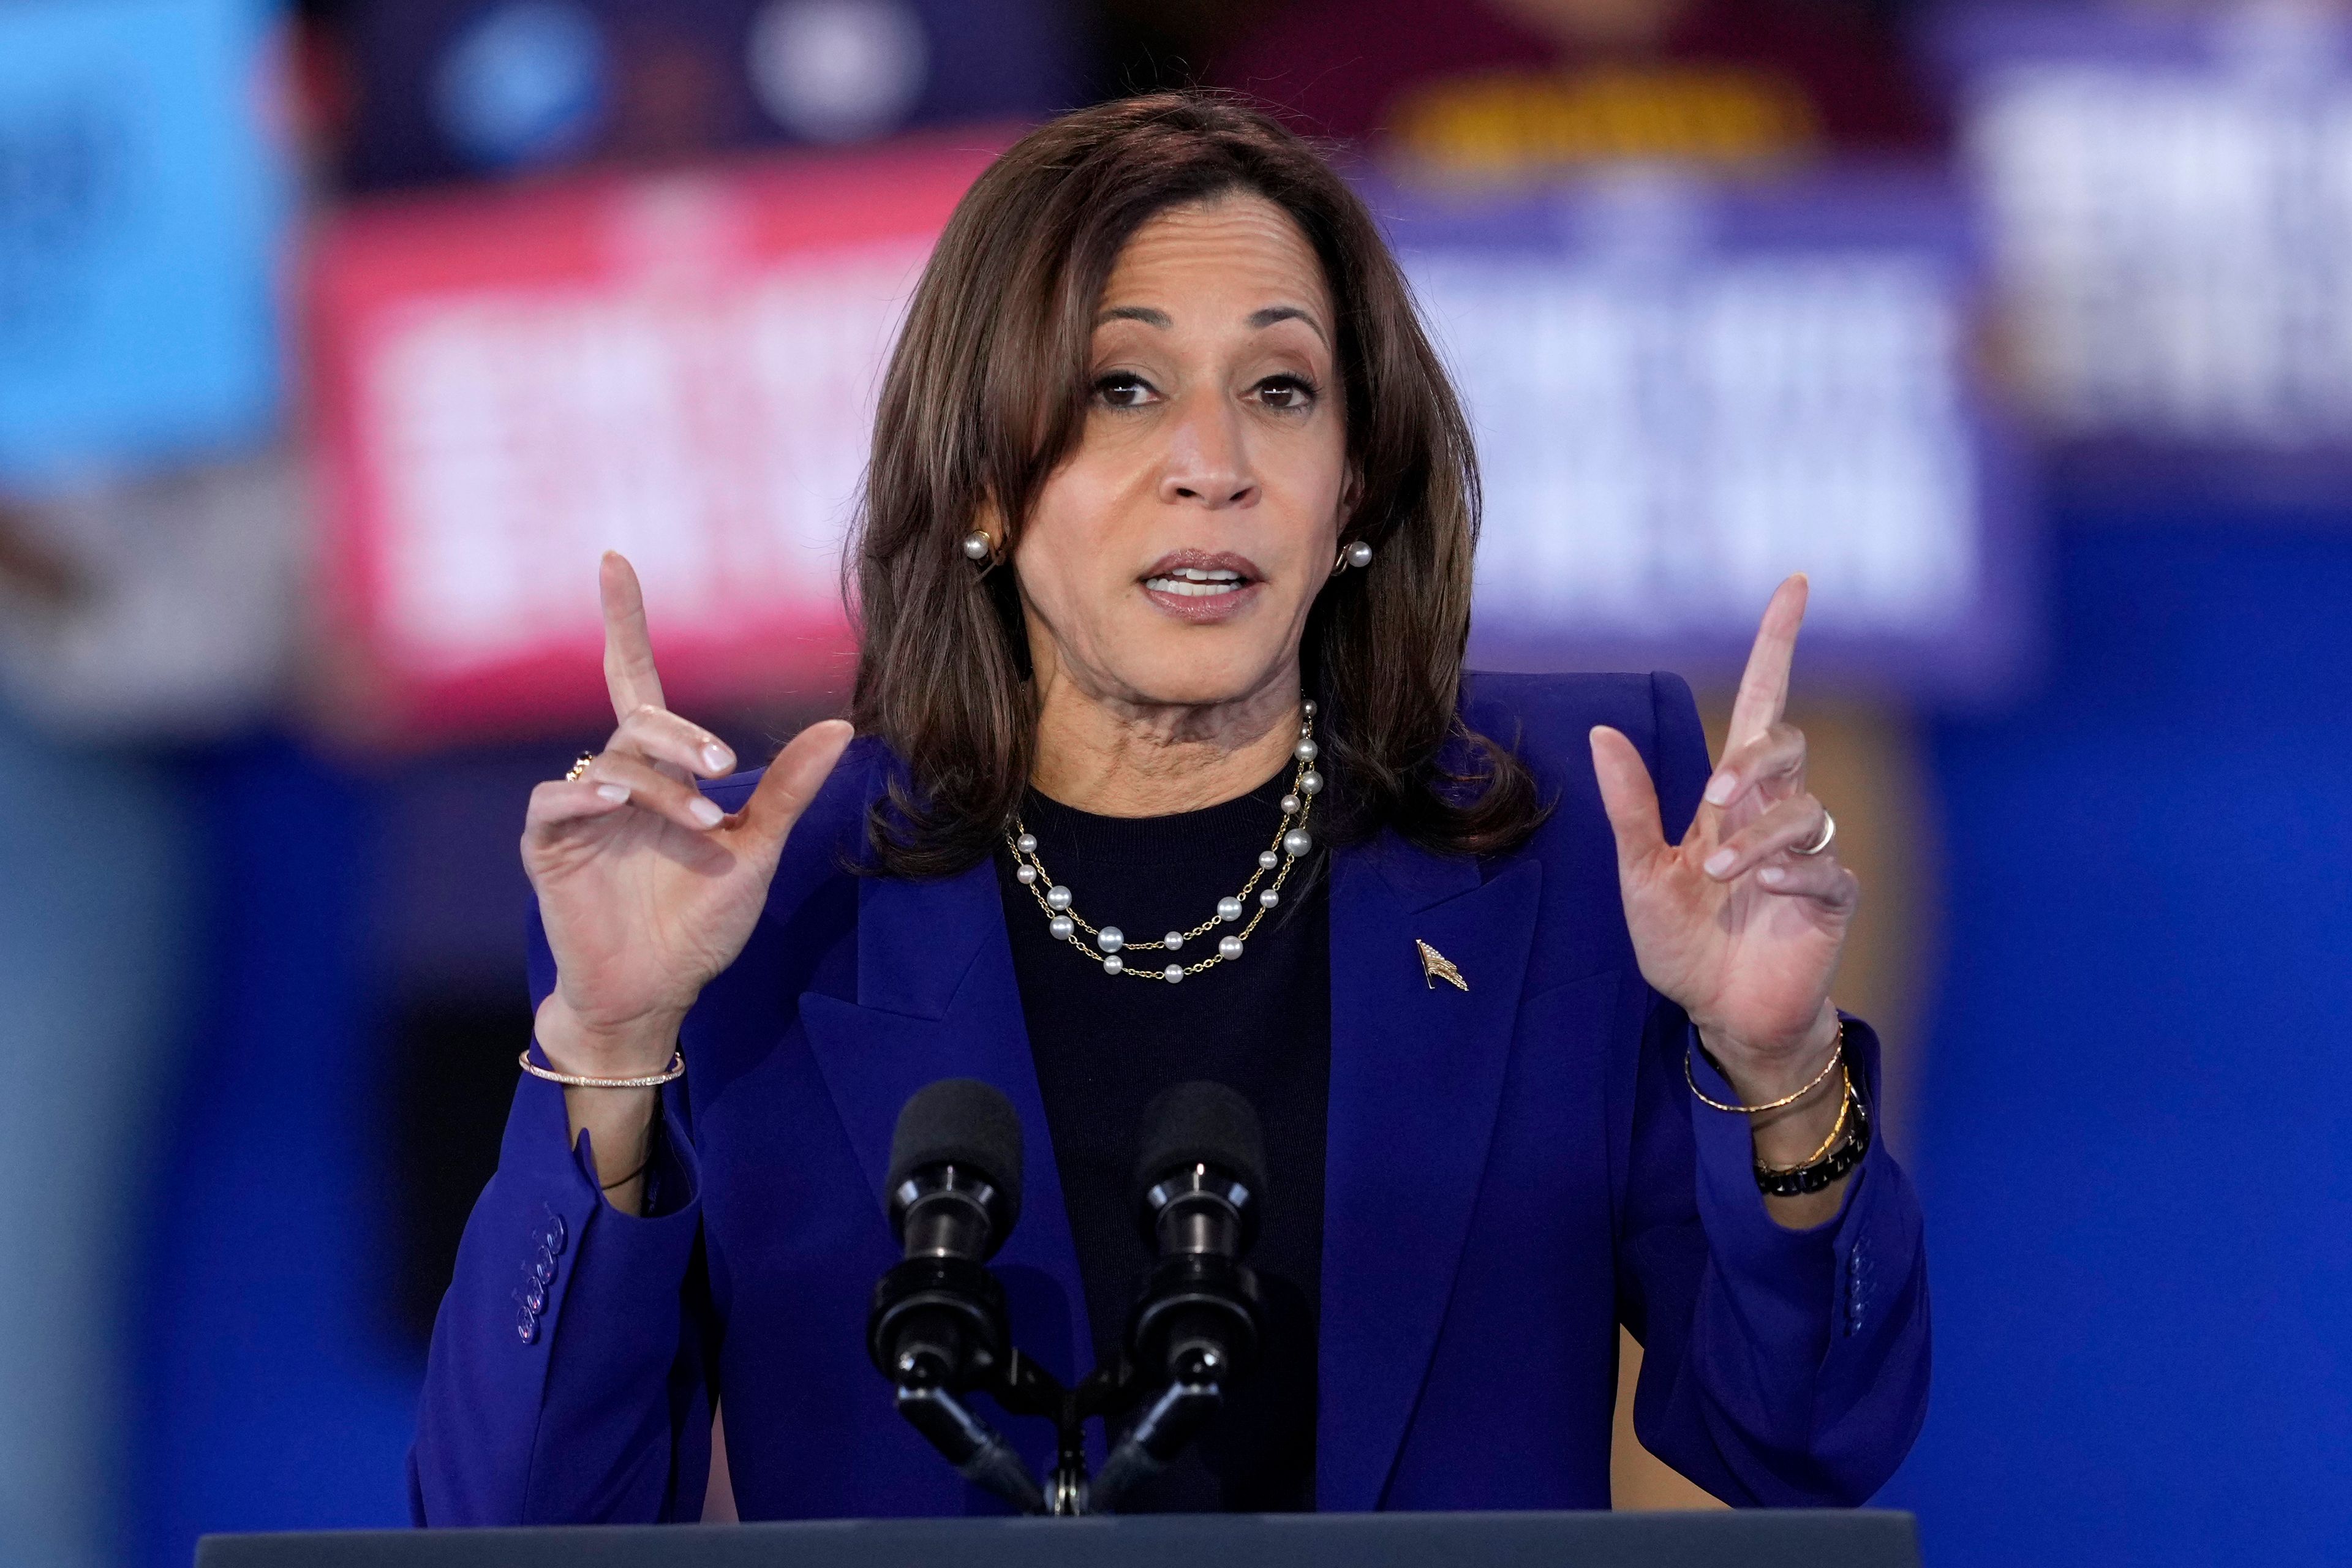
x=1171 y=559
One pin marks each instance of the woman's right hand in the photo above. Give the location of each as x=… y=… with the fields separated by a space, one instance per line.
x=647 y=889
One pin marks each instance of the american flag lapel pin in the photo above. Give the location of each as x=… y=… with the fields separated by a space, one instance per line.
x=1435 y=966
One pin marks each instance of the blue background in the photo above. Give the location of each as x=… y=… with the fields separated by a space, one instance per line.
x=2132 y=1145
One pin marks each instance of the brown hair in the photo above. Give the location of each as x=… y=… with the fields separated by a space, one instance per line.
x=985 y=395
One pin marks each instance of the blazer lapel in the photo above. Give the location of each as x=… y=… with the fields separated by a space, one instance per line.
x=936 y=998
x=1417 y=1069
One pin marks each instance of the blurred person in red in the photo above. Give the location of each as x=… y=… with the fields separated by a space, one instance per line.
x=1496 y=88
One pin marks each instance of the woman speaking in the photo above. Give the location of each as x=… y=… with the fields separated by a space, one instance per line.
x=1167 y=769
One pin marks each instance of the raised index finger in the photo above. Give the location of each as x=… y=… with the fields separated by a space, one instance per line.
x=629 y=674
x=1764 y=685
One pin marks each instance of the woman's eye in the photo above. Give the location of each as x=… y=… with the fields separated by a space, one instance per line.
x=1285 y=392
x=1121 y=390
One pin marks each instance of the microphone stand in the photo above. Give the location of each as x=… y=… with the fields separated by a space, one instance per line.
x=1174 y=1419
x=1031 y=1390
x=946 y=1316
x=938 y=1325
x=1198 y=1320
x=1198 y=1313
x=1022 y=1387
x=978 y=1452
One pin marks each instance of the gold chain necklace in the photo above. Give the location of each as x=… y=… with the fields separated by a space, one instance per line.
x=1109 y=945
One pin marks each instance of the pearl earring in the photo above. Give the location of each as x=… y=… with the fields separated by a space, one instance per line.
x=978 y=546
x=1359 y=555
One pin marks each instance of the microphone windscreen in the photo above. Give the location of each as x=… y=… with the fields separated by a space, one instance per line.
x=961 y=1121
x=1201 y=1125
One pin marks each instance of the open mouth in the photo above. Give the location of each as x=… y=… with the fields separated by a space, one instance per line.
x=1202 y=587
x=1198 y=581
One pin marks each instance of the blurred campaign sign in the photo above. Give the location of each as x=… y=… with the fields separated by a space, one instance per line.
x=1682 y=391
x=1685 y=390
x=681 y=367
x=141 y=202
x=470 y=87
x=2169 y=195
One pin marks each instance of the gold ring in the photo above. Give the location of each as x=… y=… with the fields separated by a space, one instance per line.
x=580 y=768
x=1821 y=840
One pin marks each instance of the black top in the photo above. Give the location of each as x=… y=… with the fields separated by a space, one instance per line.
x=1106 y=1044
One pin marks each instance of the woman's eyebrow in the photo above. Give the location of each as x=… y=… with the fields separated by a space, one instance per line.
x=1258 y=320
x=1261 y=319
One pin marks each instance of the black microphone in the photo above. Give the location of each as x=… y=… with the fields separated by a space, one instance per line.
x=938 y=1322
x=955 y=1171
x=1200 y=1181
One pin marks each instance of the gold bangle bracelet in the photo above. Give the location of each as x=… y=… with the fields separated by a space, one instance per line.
x=677 y=1069
x=1845 y=1109
x=1837 y=1054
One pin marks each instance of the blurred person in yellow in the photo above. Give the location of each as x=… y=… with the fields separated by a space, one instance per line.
x=1493 y=88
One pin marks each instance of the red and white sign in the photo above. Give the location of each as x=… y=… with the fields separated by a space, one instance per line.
x=681 y=367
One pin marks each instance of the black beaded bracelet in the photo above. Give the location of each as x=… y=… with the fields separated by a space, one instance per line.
x=1800 y=1179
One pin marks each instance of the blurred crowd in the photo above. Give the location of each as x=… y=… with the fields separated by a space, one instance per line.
x=334 y=340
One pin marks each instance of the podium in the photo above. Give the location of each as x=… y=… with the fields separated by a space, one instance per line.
x=1795 y=1538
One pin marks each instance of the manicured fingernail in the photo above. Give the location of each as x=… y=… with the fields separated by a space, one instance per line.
x=1772 y=876
x=717 y=758
x=1719 y=862
x=1721 y=787
x=706 y=812
x=614 y=793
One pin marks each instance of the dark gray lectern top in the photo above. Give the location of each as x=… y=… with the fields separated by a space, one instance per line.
x=1758 y=1538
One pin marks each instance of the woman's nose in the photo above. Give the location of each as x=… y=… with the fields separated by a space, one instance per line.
x=1208 y=462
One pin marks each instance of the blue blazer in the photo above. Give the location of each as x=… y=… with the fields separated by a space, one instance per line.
x=1512 y=1171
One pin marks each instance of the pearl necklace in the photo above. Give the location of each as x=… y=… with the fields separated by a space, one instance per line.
x=1110 y=945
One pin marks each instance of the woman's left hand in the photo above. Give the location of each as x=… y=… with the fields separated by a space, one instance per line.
x=1732 y=924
